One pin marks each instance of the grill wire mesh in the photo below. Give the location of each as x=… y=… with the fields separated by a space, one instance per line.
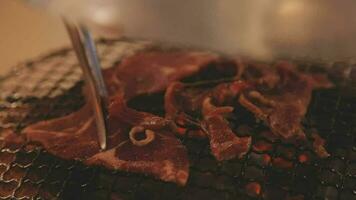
x=50 y=86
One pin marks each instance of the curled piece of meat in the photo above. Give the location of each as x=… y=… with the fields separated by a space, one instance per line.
x=182 y=100
x=139 y=136
x=224 y=144
x=173 y=102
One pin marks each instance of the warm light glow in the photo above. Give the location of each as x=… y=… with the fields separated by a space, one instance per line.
x=291 y=7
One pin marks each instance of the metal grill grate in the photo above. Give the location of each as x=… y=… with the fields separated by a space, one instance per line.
x=50 y=87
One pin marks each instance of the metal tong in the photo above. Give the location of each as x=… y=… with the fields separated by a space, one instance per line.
x=85 y=50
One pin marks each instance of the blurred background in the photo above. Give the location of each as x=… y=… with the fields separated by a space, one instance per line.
x=26 y=33
x=261 y=28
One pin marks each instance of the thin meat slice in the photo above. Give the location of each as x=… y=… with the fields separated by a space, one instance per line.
x=284 y=118
x=138 y=142
x=70 y=137
x=153 y=71
x=167 y=161
x=224 y=143
x=283 y=106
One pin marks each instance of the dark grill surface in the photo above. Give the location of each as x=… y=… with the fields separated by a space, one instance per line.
x=50 y=87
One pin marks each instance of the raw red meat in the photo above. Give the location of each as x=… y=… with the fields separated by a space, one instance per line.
x=159 y=153
x=145 y=143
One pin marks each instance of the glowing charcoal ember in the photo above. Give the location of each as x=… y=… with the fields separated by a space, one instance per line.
x=253 y=189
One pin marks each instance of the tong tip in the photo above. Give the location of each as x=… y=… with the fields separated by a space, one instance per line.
x=102 y=145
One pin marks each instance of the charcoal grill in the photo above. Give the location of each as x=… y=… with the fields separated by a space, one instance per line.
x=50 y=87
